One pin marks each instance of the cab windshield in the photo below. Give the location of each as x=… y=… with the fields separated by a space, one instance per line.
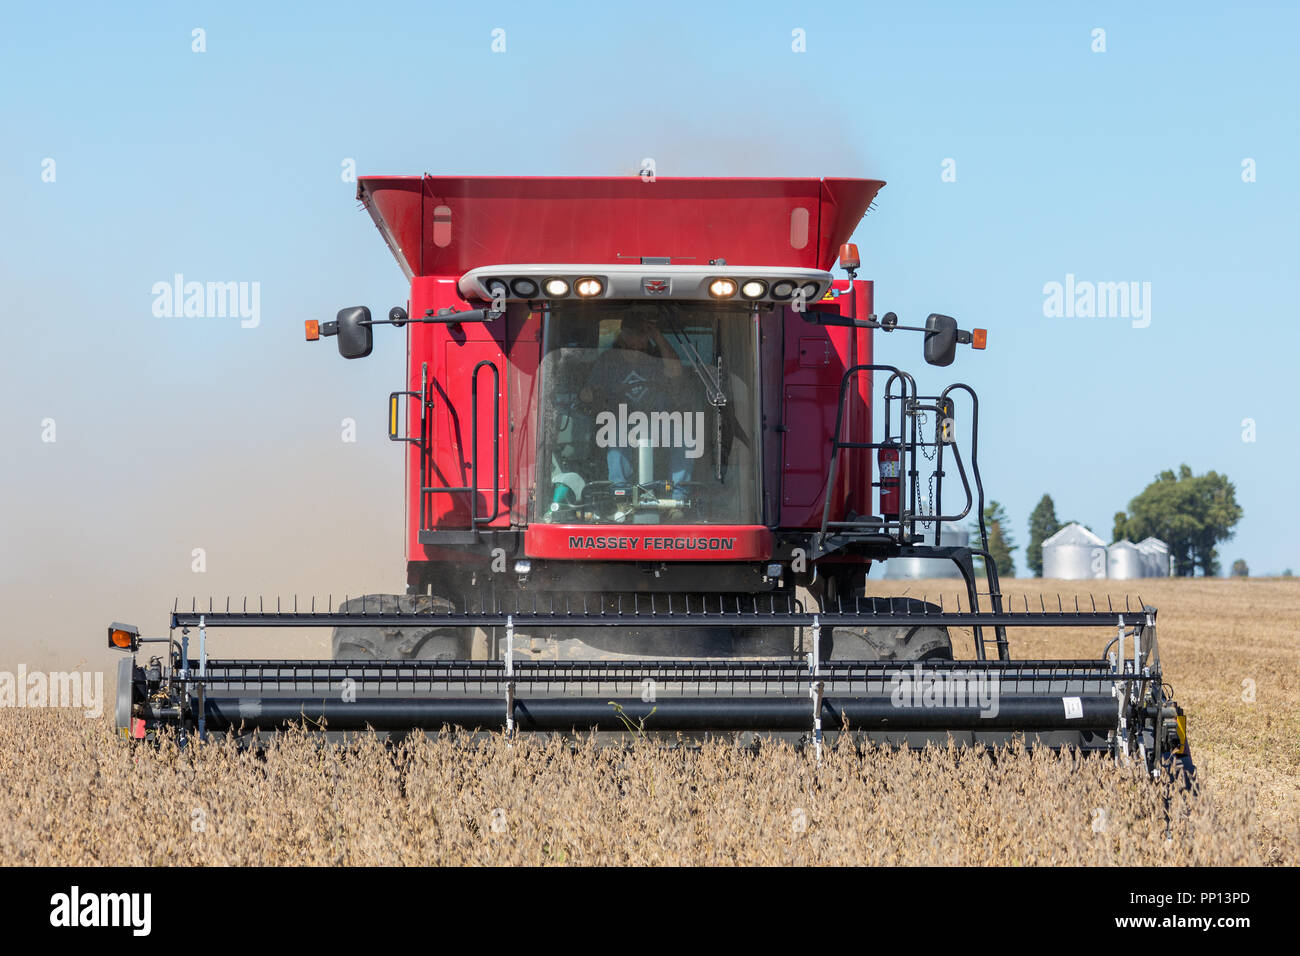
x=649 y=415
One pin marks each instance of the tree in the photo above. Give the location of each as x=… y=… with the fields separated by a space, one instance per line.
x=1286 y=573
x=1042 y=525
x=1000 y=543
x=1190 y=513
x=1239 y=569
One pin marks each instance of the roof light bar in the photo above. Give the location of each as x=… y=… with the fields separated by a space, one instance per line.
x=706 y=283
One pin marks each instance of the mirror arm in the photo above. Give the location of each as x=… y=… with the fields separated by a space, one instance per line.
x=445 y=317
x=866 y=324
x=963 y=336
x=451 y=317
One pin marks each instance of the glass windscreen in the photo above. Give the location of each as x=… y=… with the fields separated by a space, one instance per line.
x=649 y=415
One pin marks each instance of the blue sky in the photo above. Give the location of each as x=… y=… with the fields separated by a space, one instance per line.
x=1123 y=165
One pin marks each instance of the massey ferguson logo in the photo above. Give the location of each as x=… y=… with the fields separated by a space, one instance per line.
x=656 y=286
x=601 y=542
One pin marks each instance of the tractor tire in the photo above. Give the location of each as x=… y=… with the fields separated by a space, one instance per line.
x=398 y=643
x=919 y=642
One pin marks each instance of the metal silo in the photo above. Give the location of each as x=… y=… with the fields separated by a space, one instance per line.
x=1155 y=553
x=1075 y=554
x=1125 y=561
x=912 y=568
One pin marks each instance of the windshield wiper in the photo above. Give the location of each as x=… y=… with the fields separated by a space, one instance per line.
x=712 y=384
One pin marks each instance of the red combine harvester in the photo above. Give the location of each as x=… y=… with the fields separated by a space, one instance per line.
x=641 y=471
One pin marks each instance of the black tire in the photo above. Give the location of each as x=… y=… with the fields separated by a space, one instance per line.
x=122 y=709
x=398 y=643
x=920 y=642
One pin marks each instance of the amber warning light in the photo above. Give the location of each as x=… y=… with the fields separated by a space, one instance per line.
x=979 y=338
x=123 y=637
x=313 y=330
x=849 y=259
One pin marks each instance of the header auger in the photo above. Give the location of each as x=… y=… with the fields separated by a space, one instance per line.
x=644 y=426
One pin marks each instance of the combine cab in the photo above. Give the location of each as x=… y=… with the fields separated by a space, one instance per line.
x=650 y=459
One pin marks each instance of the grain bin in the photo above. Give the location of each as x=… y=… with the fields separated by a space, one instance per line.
x=1155 y=553
x=897 y=569
x=1124 y=561
x=1075 y=554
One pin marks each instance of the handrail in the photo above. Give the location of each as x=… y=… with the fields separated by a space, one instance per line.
x=472 y=488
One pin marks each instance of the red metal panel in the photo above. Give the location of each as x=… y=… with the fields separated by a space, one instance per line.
x=450 y=354
x=817 y=357
x=651 y=542
x=439 y=225
x=810 y=421
x=861 y=462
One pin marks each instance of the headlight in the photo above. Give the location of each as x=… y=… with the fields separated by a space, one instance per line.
x=588 y=287
x=556 y=288
x=524 y=288
x=722 y=288
x=783 y=289
x=753 y=289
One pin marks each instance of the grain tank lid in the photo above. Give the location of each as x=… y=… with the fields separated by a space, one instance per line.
x=1122 y=545
x=1074 y=534
x=447 y=225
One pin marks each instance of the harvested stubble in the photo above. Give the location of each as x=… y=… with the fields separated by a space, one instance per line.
x=82 y=796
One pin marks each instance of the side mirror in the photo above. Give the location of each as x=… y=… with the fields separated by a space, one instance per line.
x=940 y=339
x=356 y=338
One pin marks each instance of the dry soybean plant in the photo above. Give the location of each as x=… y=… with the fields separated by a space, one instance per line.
x=73 y=793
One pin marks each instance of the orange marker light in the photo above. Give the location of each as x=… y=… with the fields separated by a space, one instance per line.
x=979 y=338
x=123 y=636
x=849 y=256
x=313 y=330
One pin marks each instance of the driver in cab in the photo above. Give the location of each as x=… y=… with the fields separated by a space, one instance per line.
x=637 y=372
